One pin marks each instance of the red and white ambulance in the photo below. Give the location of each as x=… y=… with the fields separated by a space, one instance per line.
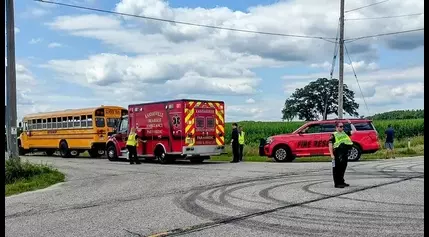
x=171 y=130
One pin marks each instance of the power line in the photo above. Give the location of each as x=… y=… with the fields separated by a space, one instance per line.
x=335 y=52
x=354 y=72
x=331 y=73
x=383 y=34
x=185 y=23
x=366 y=6
x=382 y=17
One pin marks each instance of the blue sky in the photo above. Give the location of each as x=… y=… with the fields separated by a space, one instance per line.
x=70 y=58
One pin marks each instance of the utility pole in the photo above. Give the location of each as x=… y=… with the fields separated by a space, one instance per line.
x=11 y=82
x=341 y=63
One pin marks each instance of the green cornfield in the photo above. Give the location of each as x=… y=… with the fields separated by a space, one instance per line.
x=257 y=130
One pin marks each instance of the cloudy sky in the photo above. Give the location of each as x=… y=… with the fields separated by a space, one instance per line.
x=71 y=58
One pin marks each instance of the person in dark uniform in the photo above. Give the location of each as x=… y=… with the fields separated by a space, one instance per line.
x=390 y=133
x=234 y=144
x=339 y=147
x=132 y=143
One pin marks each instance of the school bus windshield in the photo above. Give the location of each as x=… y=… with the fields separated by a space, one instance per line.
x=112 y=122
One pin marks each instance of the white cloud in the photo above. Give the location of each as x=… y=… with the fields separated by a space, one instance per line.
x=85 y=22
x=152 y=59
x=35 y=12
x=250 y=101
x=35 y=41
x=380 y=87
x=54 y=45
x=357 y=66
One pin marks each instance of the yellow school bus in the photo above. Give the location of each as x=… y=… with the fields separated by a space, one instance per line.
x=71 y=132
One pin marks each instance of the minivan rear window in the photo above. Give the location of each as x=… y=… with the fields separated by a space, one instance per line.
x=360 y=126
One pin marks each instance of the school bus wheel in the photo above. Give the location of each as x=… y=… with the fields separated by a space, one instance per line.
x=94 y=153
x=74 y=153
x=64 y=149
x=21 y=150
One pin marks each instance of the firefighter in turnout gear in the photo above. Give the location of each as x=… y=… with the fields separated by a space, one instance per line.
x=132 y=143
x=339 y=147
x=241 y=141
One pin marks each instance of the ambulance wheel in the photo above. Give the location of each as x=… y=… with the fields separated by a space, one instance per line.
x=64 y=149
x=111 y=153
x=197 y=160
x=283 y=154
x=162 y=157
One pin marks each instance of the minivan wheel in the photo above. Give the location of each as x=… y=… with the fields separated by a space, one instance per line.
x=354 y=153
x=282 y=154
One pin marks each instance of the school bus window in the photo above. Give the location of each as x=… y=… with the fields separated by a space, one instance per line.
x=89 y=121
x=70 y=121
x=76 y=121
x=49 y=124
x=44 y=124
x=99 y=122
x=25 y=126
x=112 y=122
x=34 y=124
x=65 y=122
x=59 y=123
x=83 y=121
x=54 y=122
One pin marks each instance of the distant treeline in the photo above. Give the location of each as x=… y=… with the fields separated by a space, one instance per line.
x=399 y=114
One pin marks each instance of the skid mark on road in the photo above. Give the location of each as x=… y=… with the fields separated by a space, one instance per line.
x=190 y=206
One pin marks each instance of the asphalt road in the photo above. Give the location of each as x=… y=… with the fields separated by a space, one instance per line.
x=102 y=198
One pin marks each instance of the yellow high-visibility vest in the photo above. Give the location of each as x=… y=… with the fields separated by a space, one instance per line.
x=241 y=138
x=132 y=141
x=340 y=138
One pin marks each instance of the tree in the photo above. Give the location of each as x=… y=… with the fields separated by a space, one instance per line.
x=288 y=111
x=319 y=97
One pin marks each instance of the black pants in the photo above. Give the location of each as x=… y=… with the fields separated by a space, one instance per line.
x=338 y=171
x=235 y=152
x=241 y=147
x=132 y=154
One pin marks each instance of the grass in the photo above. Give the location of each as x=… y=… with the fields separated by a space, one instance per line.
x=23 y=176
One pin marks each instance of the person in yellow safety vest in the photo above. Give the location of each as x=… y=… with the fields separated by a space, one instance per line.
x=339 y=147
x=241 y=142
x=132 y=143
